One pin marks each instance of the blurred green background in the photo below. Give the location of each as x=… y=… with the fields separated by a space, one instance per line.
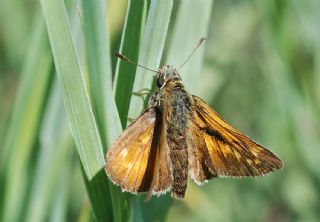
x=260 y=69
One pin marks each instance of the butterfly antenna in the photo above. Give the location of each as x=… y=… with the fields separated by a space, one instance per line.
x=120 y=56
x=193 y=51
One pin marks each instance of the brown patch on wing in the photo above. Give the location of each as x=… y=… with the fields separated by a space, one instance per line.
x=132 y=161
x=231 y=152
x=198 y=155
x=162 y=176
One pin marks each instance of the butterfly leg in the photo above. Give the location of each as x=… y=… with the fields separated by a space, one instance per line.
x=130 y=119
x=142 y=92
x=155 y=99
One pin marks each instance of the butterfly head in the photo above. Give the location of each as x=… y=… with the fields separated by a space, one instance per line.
x=165 y=74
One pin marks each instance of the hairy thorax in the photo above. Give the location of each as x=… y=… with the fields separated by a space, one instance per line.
x=178 y=106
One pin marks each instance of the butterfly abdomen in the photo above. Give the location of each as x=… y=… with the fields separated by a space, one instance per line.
x=177 y=113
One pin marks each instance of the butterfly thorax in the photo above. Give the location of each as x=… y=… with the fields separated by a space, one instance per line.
x=175 y=104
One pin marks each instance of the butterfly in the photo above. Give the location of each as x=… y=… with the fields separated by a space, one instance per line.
x=179 y=137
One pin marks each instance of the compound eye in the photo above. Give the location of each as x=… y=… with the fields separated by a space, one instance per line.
x=160 y=81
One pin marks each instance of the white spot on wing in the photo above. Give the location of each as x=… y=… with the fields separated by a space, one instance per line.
x=123 y=153
x=128 y=165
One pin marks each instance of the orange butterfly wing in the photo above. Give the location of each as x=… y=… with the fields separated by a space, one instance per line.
x=136 y=162
x=228 y=151
x=200 y=164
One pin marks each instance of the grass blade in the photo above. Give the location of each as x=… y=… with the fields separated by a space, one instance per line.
x=77 y=103
x=99 y=66
x=55 y=147
x=100 y=76
x=13 y=31
x=74 y=92
x=196 y=26
x=23 y=127
x=151 y=50
x=130 y=42
x=59 y=207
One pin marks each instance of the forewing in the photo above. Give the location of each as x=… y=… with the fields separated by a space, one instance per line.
x=231 y=152
x=133 y=159
x=130 y=155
